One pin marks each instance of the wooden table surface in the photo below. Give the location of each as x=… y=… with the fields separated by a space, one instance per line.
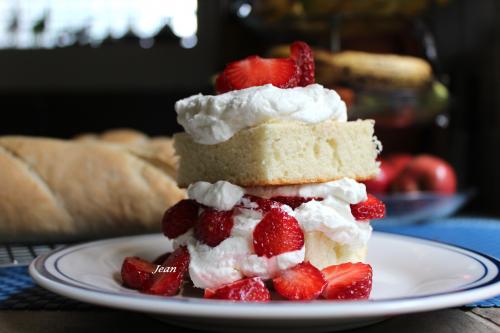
x=476 y=320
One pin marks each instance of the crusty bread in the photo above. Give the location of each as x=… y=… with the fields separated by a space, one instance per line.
x=53 y=189
x=281 y=153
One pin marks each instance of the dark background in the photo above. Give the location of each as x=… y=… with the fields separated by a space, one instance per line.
x=67 y=91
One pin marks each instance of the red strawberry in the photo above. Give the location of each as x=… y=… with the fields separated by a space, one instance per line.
x=136 y=272
x=348 y=281
x=294 y=202
x=302 y=54
x=213 y=226
x=256 y=71
x=301 y=282
x=250 y=290
x=264 y=205
x=277 y=233
x=168 y=283
x=372 y=208
x=179 y=218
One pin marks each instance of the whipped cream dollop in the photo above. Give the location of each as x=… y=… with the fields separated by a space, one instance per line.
x=221 y=195
x=214 y=119
x=333 y=218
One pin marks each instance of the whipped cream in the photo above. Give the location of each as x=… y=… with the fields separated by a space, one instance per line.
x=221 y=195
x=214 y=119
x=333 y=218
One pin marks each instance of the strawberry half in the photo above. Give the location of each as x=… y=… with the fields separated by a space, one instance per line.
x=348 y=281
x=179 y=218
x=301 y=282
x=294 y=202
x=256 y=71
x=276 y=233
x=136 y=272
x=213 y=226
x=168 y=283
x=302 y=54
x=249 y=290
x=372 y=208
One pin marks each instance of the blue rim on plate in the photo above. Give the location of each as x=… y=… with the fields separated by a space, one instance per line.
x=488 y=285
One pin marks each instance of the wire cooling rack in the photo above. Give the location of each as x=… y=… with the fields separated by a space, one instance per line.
x=19 y=254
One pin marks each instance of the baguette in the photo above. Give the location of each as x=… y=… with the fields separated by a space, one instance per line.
x=53 y=189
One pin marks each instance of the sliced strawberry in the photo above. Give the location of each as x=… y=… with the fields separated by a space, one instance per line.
x=137 y=272
x=301 y=282
x=167 y=283
x=276 y=233
x=213 y=226
x=256 y=71
x=179 y=218
x=302 y=54
x=348 y=281
x=249 y=290
x=264 y=205
x=294 y=202
x=372 y=208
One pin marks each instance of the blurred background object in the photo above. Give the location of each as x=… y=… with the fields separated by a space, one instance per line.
x=88 y=66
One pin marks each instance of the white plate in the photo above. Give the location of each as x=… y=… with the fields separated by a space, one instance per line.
x=410 y=275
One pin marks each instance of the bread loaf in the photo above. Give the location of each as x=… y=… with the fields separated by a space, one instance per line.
x=76 y=189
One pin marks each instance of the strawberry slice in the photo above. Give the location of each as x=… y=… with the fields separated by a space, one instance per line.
x=348 y=281
x=167 y=283
x=301 y=282
x=249 y=290
x=372 y=208
x=276 y=233
x=294 y=202
x=213 y=226
x=302 y=54
x=136 y=272
x=179 y=218
x=256 y=71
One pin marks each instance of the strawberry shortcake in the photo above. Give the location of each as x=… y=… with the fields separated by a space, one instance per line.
x=276 y=208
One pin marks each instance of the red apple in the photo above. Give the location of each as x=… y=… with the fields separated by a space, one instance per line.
x=383 y=180
x=398 y=162
x=427 y=173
